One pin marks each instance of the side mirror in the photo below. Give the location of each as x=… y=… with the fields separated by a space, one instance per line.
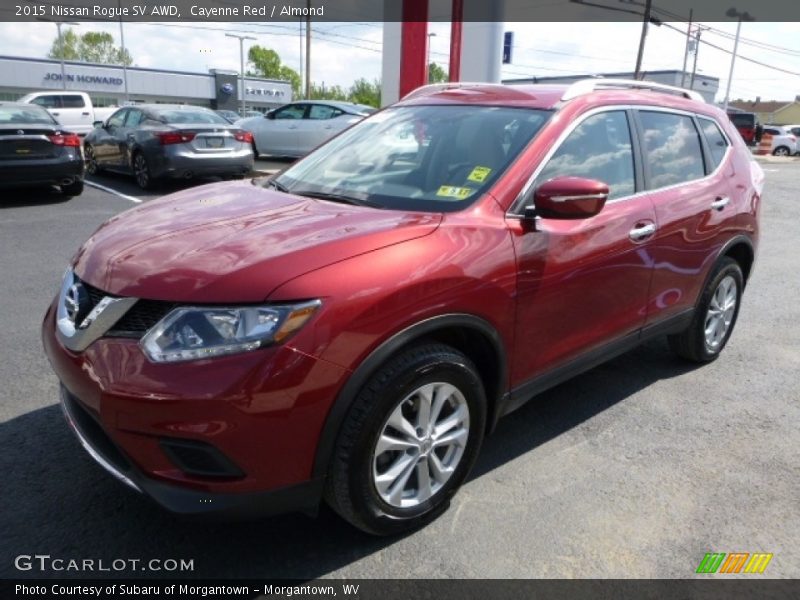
x=568 y=198
x=270 y=115
x=98 y=124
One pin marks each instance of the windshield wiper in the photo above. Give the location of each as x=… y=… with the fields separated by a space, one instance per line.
x=336 y=198
x=278 y=186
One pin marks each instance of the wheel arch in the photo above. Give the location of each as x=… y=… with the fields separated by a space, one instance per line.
x=472 y=335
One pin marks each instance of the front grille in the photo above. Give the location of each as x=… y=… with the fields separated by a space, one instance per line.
x=140 y=318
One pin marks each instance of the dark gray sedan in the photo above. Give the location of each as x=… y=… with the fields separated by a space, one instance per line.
x=156 y=141
x=35 y=150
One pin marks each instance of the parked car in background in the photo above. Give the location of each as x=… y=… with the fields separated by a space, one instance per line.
x=36 y=150
x=229 y=115
x=73 y=110
x=745 y=123
x=155 y=141
x=784 y=142
x=795 y=130
x=250 y=113
x=297 y=128
x=352 y=329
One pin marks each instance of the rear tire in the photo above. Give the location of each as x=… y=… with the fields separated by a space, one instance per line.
x=73 y=189
x=142 y=173
x=396 y=463
x=715 y=316
x=781 y=151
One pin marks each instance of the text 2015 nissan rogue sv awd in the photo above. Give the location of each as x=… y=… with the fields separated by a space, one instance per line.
x=351 y=330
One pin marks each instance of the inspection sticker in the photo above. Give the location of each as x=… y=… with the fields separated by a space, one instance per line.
x=479 y=174
x=452 y=191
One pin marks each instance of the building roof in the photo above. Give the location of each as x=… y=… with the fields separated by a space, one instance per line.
x=769 y=106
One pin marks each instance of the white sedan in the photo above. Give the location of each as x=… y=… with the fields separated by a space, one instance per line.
x=297 y=128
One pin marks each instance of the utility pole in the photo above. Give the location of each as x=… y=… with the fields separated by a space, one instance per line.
x=645 y=22
x=308 y=50
x=428 y=58
x=686 y=49
x=742 y=16
x=696 y=52
x=302 y=78
x=241 y=39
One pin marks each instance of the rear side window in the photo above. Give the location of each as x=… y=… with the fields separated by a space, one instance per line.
x=717 y=142
x=134 y=118
x=118 y=118
x=47 y=101
x=599 y=148
x=672 y=148
x=772 y=131
x=72 y=101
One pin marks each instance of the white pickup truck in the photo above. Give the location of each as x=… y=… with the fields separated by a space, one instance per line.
x=73 y=110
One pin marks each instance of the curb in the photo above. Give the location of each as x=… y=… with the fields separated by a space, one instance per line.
x=767 y=158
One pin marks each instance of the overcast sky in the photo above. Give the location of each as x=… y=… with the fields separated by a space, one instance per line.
x=342 y=52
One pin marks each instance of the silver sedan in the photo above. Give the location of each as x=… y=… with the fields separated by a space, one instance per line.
x=297 y=128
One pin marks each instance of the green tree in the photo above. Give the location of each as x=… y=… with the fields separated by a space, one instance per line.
x=437 y=74
x=365 y=92
x=330 y=92
x=92 y=46
x=267 y=63
x=65 y=47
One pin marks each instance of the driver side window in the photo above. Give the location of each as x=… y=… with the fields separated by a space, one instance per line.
x=599 y=148
x=118 y=118
x=295 y=111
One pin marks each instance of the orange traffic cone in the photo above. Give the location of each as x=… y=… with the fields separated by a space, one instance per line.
x=765 y=145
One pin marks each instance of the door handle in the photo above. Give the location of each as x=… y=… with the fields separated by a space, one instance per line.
x=640 y=232
x=55 y=114
x=85 y=114
x=292 y=126
x=720 y=203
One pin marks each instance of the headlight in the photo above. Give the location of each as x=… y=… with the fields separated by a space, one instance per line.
x=192 y=333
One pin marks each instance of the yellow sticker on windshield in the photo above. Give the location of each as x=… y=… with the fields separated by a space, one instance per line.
x=452 y=191
x=479 y=174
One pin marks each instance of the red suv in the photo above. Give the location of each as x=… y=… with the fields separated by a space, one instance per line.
x=351 y=329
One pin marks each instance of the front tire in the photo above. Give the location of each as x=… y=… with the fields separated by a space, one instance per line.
x=714 y=317
x=90 y=160
x=781 y=151
x=409 y=441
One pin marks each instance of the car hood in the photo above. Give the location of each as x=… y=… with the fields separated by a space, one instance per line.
x=233 y=242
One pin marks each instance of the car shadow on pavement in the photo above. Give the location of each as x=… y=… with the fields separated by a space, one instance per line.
x=58 y=502
x=34 y=196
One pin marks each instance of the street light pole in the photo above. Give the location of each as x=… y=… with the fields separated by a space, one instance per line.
x=241 y=39
x=428 y=58
x=123 y=56
x=60 y=44
x=686 y=48
x=742 y=16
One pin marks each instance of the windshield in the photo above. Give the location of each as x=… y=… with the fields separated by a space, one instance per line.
x=25 y=114
x=427 y=158
x=191 y=116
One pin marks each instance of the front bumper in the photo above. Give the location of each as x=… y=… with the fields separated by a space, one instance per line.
x=303 y=497
x=263 y=411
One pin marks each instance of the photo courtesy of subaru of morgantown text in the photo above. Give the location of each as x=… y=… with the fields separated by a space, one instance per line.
x=349 y=330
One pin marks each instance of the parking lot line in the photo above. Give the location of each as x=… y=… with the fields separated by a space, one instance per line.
x=113 y=191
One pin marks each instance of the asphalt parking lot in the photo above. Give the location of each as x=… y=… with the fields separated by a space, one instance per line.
x=634 y=469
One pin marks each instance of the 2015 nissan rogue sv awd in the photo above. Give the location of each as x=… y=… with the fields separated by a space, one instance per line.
x=351 y=329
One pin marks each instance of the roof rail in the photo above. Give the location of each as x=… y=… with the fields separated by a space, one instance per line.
x=586 y=86
x=432 y=88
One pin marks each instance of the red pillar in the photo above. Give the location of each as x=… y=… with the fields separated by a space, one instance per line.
x=414 y=46
x=455 y=40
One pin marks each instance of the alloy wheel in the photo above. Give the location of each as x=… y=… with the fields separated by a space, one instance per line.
x=720 y=312
x=91 y=160
x=140 y=171
x=421 y=445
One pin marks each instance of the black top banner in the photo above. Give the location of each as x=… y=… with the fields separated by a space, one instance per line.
x=392 y=10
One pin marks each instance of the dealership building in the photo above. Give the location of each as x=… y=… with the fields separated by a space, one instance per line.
x=108 y=85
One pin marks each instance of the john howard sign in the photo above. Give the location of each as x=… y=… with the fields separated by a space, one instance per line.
x=95 y=79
